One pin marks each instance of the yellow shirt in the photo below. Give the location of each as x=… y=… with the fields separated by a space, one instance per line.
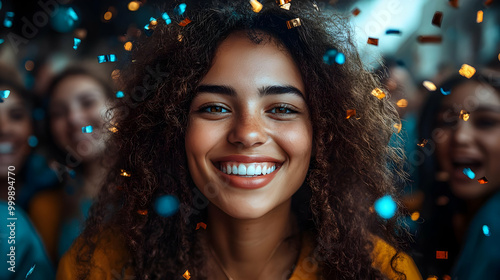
x=110 y=256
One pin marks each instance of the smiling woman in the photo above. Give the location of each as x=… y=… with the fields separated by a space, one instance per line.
x=244 y=123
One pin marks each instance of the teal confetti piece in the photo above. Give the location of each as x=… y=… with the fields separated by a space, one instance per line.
x=76 y=43
x=469 y=173
x=7 y=22
x=71 y=13
x=120 y=94
x=444 y=92
x=179 y=10
x=87 y=129
x=385 y=207
x=30 y=271
x=486 y=230
x=106 y=58
x=32 y=141
x=1 y=41
x=393 y=32
x=166 y=18
x=166 y=205
x=4 y=93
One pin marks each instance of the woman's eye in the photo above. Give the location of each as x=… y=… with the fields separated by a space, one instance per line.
x=282 y=110
x=87 y=103
x=485 y=123
x=214 y=109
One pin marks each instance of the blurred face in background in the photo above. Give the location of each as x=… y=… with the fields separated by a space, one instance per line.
x=473 y=144
x=15 y=128
x=79 y=101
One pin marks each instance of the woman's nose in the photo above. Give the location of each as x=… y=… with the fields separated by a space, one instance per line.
x=463 y=134
x=247 y=131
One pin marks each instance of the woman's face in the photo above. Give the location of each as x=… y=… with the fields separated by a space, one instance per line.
x=76 y=102
x=249 y=117
x=15 y=128
x=473 y=144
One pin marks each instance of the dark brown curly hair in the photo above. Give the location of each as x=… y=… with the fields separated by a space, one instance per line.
x=352 y=167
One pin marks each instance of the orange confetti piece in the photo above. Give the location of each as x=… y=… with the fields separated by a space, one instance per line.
x=180 y=37
x=479 y=17
x=432 y=277
x=355 y=12
x=488 y=2
x=446 y=277
x=201 y=225
x=124 y=173
x=113 y=129
x=429 y=85
x=422 y=143
x=415 y=215
x=402 y=103
x=372 y=41
x=467 y=71
x=185 y=22
x=442 y=255
x=398 y=126
x=437 y=19
x=430 y=39
x=464 y=115
x=256 y=6
x=293 y=23
x=142 y=212
x=378 y=93
x=186 y=274
x=482 y=180
x=453 y=3
x=350 y=113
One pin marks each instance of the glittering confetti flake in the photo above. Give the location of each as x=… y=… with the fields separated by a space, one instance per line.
x=482 y=180
x=185 y=22
x=355 y=12
x=442 y=255
x=106 y=58
x=333 y=56
x=486 y=230
x=201 y=225
x=293 y=23
x=464 y=115
x=415 y=215
x=422 y=142
x=124 y=173
x=186 y=275
x=119 y=94
x=7 y=22
x=372 y=41
x=113 y=129
x=179 y=10
x=469 y=173
x=385 y=207
x=256 y=6
x=30 y=271
x=378 y=93
x=393 y=32
x=4 y=93
x=398 y=127
x=436 y=39
x=76 y=43
x=467 y=71
x=430 y=86
x=479 y=17
x=437 y=19
x=166 y=205
x=87 y=129
x=402 y=103
x=432 y=277
x=166 y=18
x=350 y=113
x=284 y=4
x=142 y=212
x=445 y=92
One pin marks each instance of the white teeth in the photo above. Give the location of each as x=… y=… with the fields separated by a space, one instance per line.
x=235 y=169
x=251 y=170
x=223 y=169
x=242 y=170
x=228 y=169
x=264 y=170
x=247 y=169
x=258 y=170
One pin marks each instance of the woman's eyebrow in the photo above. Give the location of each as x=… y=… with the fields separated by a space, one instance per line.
x=479 y=109
x=267 y=90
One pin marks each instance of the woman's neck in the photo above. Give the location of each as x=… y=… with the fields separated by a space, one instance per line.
x=253 y=249
x=94 y=174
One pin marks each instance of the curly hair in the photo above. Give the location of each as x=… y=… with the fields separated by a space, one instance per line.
x=350 y=170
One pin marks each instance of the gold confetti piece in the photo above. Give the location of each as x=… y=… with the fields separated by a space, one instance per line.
x=430 y=39
x=372 y=41
x=113 y=129
x=422 y=142
x=108 y=15
x=479 y=17
x=442 y=255
x=402 y=103
x=286 y=6
x=355 y=12
x=398 y=126
x=115 y=74
x=464 y=115
x=453 y=3
x=293 y=23
x=429 y=85
x=415 y=215
x=446 y=277
x=185 y=22
x=378 y=93
x=467 y=71
x=499 y=57
x=482 y=180
x=128 y=46
x=432 y=277
x=133 y=6
x=153 y=23
x=201 y=225
x=124 y=173
x=180 y=37
x=256 y=6
x=437 y=19
x=186 y=274
x=488 y=2
x=142 y=212
x=351 y=113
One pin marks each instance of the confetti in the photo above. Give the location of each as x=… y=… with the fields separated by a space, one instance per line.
x=179 y=10
x=378 y=93
x=488 y=2
x=372 y=41
x=467 y=71
x=398 y=126
x=385 y=207
x=293 y=23
x=446 y=277
x=32 y=141
x=284 y=4
x=464 y=115
x=166 y=205
x=4 y=93
x=333 y=56
x=185 y=22
x=442 y=255
x=393 y=31
x=453 y=3
x=415 y=215
x=133 y=6
x=479 y=17
x=422 y=142
x=127 y=46
x=432 y=277
x=87 y=129
x=444 y=92
x=7 y=22
x=256 y=6
x=469 y=173
x=201 y=225
x=1 y=41
x=142 y=212
x=106 y=58
x=429 y=85
x=316 y=6
x=76 y=43
x=30 y=271
x=186 y=275
x=482 y=180
x=119 y=94
x=113 y=129
x=71 y=13
x=351 y=113
x=402 y=103
x=107 y=16
x=430 y=39
x=355 y=12
x=166 y=18
x=124 y=173
x=486 y=230
x=437 y=19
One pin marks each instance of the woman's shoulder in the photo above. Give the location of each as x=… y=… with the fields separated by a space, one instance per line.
x=383 y=254
x=107 y=260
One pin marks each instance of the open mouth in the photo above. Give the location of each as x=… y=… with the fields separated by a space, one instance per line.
x=6 y=148
x=254 y=169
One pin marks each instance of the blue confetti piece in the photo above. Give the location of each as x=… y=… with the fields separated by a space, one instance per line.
x=486 y=230
x=385 y=207
x=71 y=13
x=30 y=271
x=166 y=18
x=7 y=22
x=166 y=205
x=444 y=92
x=4 y=93
x=32 y=141
x=76 y=43
x=393 y=31
x=87 y=129
x=120 y=94
x=1 y=41
x=340 y=58
x=106 y=58
x=333 y=56
x=469 y=173
x=179 y=10
x=72 y=173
